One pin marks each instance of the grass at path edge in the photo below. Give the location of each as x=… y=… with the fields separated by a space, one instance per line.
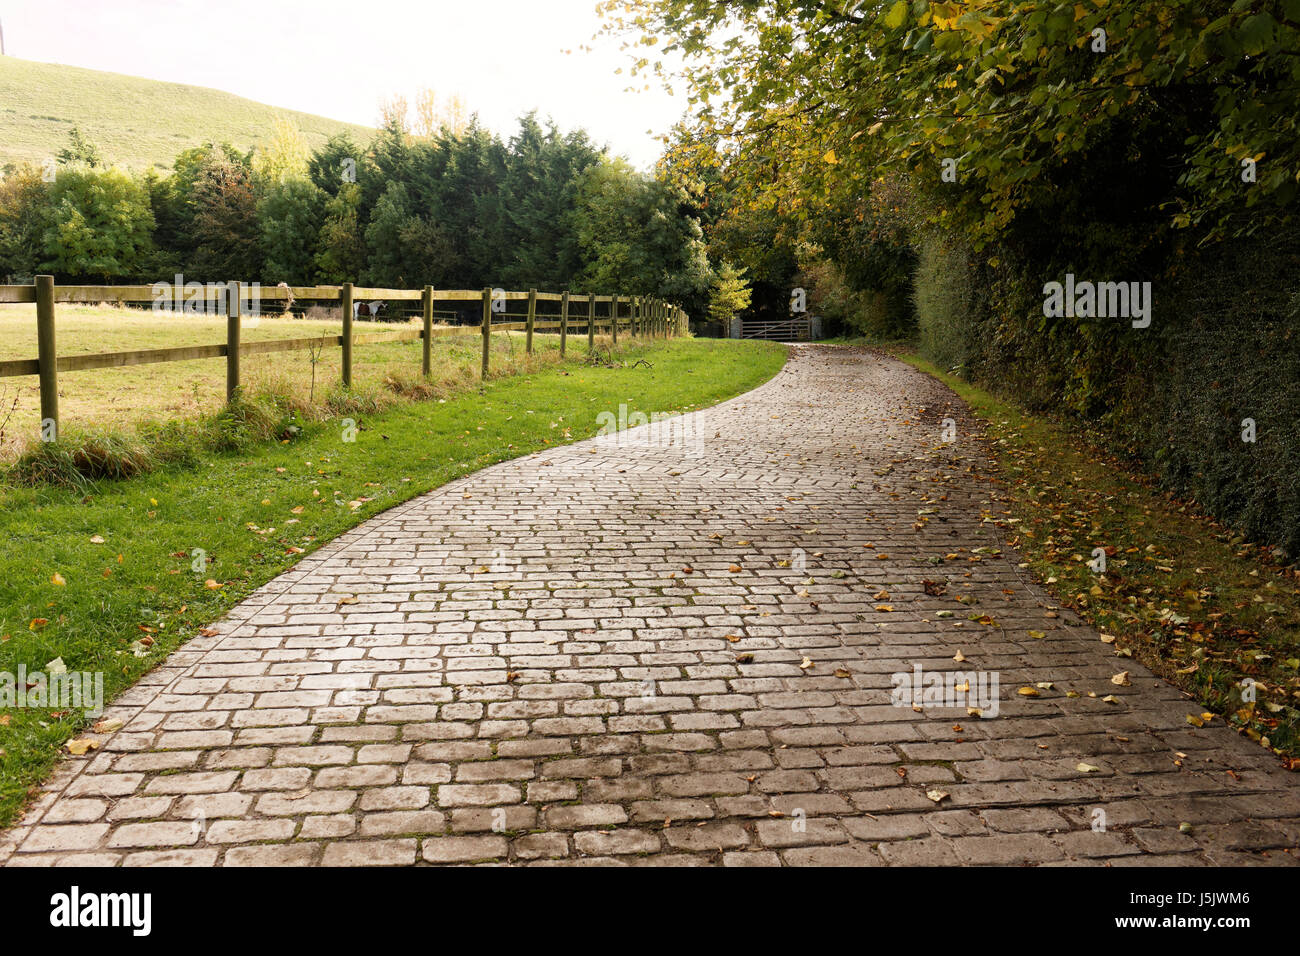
x=159 y=557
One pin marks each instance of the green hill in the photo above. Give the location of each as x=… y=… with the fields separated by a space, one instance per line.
x=137 y=122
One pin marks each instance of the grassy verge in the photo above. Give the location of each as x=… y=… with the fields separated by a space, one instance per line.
x=1189 y=598
x=97 y=578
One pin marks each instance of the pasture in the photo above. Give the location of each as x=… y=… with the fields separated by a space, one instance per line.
x=120 y=398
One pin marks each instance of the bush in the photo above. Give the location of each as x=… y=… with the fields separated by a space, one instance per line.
x=1229 y=351
x=944 y=297
x=1222 y=348
x=78 y=461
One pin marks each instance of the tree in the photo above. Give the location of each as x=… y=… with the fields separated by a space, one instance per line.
x=284 y=156
x=637 y=235
x=730 y=294
x=80 y=151
x=98 y=224
x=289 y=218
x=1004 y=90
x=225 y=225
x=341 y=253
x=22 y=209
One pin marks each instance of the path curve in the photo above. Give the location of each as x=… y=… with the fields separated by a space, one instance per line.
x=675 y=645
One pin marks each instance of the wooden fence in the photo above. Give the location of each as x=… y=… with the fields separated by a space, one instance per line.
x=639 y=315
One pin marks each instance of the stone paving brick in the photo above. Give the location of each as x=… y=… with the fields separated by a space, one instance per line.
x=536 y=675
x=370 y=853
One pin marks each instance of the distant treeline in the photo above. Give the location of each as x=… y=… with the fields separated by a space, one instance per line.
x=461 y=209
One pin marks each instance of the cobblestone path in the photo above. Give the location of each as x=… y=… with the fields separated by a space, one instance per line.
x=674 y=645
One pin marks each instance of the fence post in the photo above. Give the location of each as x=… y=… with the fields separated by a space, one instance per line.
x=564 y=321
x=47 y=354
x=428 y=330
x=345 y=297
x=591 y=321
x=613 y=314
x=487 y=331
x=233 y=305
x=532 y=319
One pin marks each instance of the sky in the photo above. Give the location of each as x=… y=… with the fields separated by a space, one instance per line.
x=341 y=58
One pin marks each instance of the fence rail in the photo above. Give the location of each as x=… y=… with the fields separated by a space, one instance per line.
x=641 y=316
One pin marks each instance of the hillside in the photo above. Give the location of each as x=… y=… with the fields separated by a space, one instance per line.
x=134 y=121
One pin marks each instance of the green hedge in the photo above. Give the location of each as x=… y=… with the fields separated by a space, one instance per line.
x=1223 y=346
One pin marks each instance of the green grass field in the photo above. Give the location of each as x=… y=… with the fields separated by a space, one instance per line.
x=136 y=122
x=85 y=577
x=120 y=398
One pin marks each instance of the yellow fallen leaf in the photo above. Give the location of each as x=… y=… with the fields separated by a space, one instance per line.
x=57 y=578
x=1087 y=768
x=1029 y=692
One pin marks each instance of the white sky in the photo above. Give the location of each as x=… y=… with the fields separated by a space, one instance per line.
x=340 y=58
